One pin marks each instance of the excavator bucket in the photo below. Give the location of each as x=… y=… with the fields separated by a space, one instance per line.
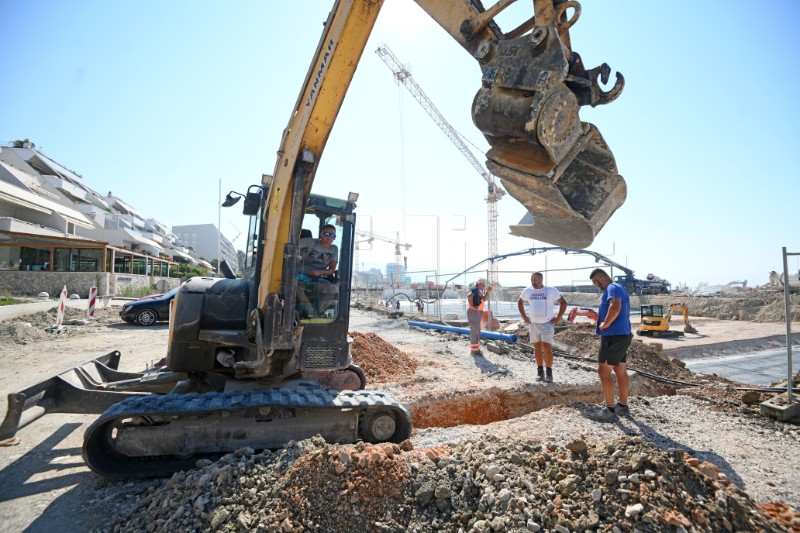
x=557 y=166
x=87 y=389
x=573 y=204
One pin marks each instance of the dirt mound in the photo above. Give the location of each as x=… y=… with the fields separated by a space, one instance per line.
x=31 y=328
x=641 y=356
x=381 y=361
x=481 y=484
x=758 y=307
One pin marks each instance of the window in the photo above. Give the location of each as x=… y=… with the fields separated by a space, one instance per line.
x=122 y=263
x=34 y=258
x=9 y=258
x=77 y=260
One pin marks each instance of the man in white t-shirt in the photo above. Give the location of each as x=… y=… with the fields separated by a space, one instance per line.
x=536 y=305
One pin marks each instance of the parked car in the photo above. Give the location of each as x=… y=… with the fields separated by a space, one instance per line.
x=148 y=311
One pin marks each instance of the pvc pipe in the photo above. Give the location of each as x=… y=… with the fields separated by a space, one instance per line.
x=465 y=331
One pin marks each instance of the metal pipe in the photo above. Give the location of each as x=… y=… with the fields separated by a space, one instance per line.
x=493 y=335
x=789 y=375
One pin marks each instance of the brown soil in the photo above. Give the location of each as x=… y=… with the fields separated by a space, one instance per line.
x=380 y=360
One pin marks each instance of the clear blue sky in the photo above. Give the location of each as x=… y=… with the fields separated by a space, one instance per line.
x=158 y=101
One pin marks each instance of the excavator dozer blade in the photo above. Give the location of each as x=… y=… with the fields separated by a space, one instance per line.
x=86 y=389
x=571 y=204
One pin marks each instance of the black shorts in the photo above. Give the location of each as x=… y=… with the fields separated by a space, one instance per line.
x=614 y=349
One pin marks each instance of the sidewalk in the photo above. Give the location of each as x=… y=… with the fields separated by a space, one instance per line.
x=10 y=312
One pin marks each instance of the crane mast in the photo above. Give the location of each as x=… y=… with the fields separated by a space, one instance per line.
x=494 y=191
x=370 y=236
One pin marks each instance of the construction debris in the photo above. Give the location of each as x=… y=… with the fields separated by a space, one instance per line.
x=482 y=484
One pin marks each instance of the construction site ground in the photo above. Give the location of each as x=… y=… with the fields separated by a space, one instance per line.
x=464 y=409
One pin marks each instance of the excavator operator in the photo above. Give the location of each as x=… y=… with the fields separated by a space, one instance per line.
x=315 y=292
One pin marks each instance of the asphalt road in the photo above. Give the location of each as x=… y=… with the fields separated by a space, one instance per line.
x=757 y=368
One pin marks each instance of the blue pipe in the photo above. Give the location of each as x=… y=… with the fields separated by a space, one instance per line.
x=465 y=331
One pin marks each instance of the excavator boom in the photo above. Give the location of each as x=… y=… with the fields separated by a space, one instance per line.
x=527 y=105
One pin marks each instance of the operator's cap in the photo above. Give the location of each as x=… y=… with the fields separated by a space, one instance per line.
x=480 y=282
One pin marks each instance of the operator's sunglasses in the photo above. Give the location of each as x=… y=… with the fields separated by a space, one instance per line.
x=328 y=234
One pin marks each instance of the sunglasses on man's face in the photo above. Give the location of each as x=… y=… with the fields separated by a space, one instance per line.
x=328 y=234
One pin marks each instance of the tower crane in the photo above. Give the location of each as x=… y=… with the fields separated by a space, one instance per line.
x=494 y=191
x=370 y=236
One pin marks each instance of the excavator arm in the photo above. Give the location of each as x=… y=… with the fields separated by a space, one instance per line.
x=526 y=105
x=533 y=85
x=345 y=35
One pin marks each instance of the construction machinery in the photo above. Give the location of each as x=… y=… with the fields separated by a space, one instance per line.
x=371 y=236
x=777 y=281
x=575 y=312
x=656 y=324
x=494 y=191
x=634 y=286
x=243 y=369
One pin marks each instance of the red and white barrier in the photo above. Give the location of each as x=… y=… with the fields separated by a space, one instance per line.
x=92 y=303
x=62 y=305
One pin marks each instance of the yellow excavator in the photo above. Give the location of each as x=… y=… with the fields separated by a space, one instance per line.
x=244 y=366
x=656 y=324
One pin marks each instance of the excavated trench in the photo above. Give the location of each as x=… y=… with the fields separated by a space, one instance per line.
x=497 y=404
x=385 y=363
x=494 y=405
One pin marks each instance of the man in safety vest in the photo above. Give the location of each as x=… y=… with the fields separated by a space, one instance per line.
x=475 y=300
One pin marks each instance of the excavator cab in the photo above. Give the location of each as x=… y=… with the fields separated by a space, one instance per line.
x=324 y=224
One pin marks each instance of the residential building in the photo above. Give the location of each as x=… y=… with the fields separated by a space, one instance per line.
x=52 y=221
x=207 y=241
x=394 y=278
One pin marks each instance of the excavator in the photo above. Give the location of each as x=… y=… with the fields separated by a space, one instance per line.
x=587 y=312
x=244 y=368
x=656 y=324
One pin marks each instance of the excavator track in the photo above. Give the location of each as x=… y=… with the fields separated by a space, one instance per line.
x=157 y=435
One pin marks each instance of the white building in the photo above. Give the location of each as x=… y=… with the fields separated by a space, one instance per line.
x=207 y=241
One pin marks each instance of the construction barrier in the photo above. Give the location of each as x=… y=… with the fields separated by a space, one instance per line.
x=488 y=321
x=62 y=305
x=92 y=303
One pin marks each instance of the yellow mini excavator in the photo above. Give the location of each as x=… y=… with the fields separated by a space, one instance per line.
x=250 y=361
x=656 y=324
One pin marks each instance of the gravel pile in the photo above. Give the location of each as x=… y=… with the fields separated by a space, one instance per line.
x=480 y=484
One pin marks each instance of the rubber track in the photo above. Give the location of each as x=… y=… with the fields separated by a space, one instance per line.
x=104 y=461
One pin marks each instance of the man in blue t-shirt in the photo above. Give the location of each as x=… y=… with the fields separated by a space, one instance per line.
x=614 y=328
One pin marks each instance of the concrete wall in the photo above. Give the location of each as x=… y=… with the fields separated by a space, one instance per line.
x=25 y=283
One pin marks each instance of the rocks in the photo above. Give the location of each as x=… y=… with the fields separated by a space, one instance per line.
x=481 y=484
